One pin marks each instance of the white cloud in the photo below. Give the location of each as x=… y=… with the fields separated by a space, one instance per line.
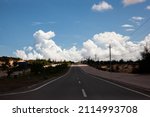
x=127 y=26
x=41 y=35
x=131 y=2
x=89 y=49
x=148 y=7
x=137 y=18
x=45 y=48
x=102 y=6
x=29 y=48
x=130 y=29
x=21 y=54
x=122 y=48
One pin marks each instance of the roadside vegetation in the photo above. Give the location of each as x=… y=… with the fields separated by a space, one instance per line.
x=139 y=67
x=144 y=64
x=116 y=66
x=27 y=73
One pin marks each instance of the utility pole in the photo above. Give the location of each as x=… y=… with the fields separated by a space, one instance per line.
x=110 y=57
x=95 y=57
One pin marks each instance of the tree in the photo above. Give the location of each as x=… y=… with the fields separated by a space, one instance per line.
x=144 y=65
x=36 y=67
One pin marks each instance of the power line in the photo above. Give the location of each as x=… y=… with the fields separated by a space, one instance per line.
x=145 y=32
x=148 y=19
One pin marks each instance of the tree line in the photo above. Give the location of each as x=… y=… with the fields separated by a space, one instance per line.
x=36 y=67
x=143 y=63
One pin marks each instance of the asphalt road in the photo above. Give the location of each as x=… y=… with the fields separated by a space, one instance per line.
x=77 y=85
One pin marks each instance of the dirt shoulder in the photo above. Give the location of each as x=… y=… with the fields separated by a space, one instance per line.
x=138 y=80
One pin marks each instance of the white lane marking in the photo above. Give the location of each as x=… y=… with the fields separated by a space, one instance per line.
x=84 y=93
x=15 y=93
x=138 y=92
x=79 y=82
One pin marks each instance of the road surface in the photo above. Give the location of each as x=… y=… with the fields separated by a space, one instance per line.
x=77 y=85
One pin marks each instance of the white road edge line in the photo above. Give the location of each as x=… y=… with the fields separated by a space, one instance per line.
x=15 y=93
x=138 y=92
x=84 y=93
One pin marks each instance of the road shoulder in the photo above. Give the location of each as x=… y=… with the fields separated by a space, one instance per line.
x=134 y=81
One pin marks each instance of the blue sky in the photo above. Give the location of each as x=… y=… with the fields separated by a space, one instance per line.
x=73 y=21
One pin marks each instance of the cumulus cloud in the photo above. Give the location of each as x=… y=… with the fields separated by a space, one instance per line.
x=131 y=2
x=97 y=46
x=45 y=48
x=122 y=47
x=102 y=6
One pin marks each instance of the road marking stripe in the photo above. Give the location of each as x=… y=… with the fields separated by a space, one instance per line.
x=138 y=92
x=84 y=93
x=15 y=93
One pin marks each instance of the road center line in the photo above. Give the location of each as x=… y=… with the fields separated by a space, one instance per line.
x=84 y=93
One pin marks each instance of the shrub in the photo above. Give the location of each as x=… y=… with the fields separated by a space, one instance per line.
x=36 y=68
x=144 y=65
